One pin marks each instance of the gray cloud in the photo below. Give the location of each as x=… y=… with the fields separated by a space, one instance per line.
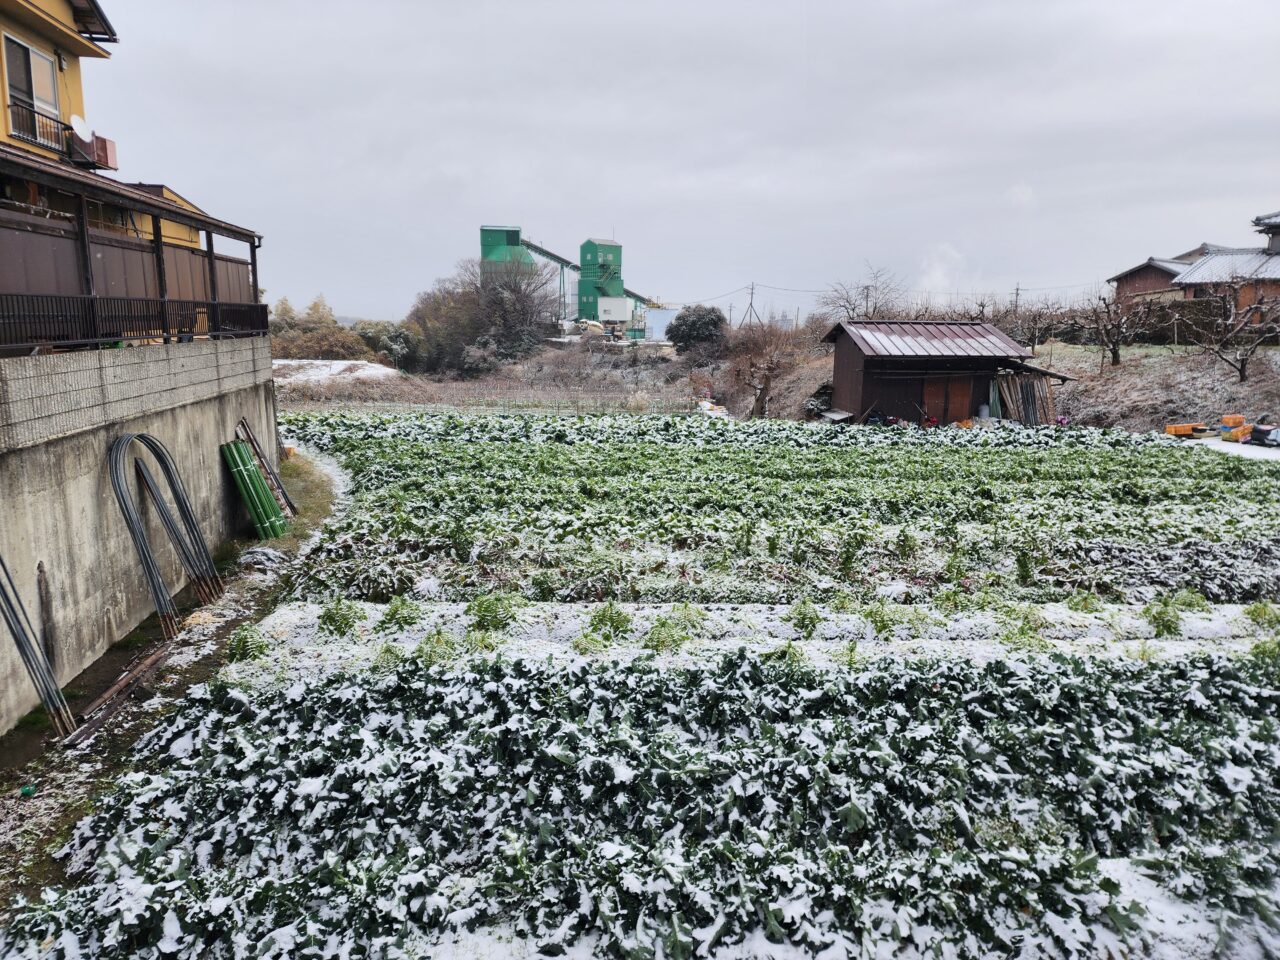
x=983 y=143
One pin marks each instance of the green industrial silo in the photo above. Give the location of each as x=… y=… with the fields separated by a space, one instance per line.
x=601 y=277
x=501 y=251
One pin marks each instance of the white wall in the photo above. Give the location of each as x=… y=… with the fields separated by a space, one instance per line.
x=615 y=310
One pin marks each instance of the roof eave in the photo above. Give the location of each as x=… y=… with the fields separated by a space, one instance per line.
x=19 y=163
x=65 y=35
x=93 y=23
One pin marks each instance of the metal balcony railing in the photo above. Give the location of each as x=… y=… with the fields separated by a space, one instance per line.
x=29 y=124
x=30 y=321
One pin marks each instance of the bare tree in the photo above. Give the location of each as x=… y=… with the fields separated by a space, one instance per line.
x=878 y=294
x=1229 y=329
x=758 y=354
x=1116 y=324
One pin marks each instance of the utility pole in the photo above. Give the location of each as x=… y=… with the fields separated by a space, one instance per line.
x=751 y=309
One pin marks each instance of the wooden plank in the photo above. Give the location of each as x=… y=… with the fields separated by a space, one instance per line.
x=959 y=398
x=935 y=398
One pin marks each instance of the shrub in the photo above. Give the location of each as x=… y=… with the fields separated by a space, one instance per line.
x=1084 y=601
x=610 y=622
x=388 y=657
x=1023 y=628
x=494 y=612
x=435 y=648
x=884 y=616
x=698 y=326
x=1268 y=649
x=1264 y=615
x=246 y=643
x=482 y=641
x=1164 y=616
x=589 y=641
x=668 y=634
x=401 y=613
x=339 y=617
x=1191 y=601
x=805 y=618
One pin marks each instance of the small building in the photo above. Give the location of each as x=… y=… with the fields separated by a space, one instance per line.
x=1253 y=271
x=933 y=372
x=1150 y=281
x=1205 y=270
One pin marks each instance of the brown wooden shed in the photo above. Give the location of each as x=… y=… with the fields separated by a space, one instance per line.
x=917 y=371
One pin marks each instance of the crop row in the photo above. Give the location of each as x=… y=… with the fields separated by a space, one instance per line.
x=900 y=808
x=572 y=520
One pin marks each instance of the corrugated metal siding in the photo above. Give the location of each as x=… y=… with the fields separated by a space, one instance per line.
x=932 y=340
x=1225 y=267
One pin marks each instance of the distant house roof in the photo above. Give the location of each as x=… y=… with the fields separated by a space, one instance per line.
x=1207 y=248
x=1254 y=264
x=928 y=339
x=1171 y=267
x=1267 y=220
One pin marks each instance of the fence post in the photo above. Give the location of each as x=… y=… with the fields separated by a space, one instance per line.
x=162 y=279
x=215 y=324
x=85 y=256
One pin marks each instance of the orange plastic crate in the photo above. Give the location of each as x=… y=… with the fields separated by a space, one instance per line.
x=1182 y=429
x=1233 y=419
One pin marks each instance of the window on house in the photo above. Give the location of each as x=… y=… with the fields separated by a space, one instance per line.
x=33 y=94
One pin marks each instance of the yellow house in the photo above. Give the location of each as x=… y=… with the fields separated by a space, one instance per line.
x=84 y=258
x=44 y=41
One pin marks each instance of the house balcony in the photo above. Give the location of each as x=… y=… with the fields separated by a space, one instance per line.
x=33 y=126
x=39 y=322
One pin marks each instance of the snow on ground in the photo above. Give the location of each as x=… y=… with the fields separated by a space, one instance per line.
x=1250 y=450
x=324 y=371
x=549 y=630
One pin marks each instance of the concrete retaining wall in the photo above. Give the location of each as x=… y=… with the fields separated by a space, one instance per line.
x=61 y=531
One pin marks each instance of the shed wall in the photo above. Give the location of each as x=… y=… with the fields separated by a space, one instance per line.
x=846 y=378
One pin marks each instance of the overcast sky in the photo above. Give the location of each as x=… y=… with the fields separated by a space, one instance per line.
x=966 y=146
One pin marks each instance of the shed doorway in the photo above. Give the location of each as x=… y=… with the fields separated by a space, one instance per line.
x=948 y=398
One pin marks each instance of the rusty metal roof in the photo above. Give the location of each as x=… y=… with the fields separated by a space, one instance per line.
x=929 y=339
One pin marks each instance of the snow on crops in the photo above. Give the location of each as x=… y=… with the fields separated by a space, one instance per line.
x=855 y=693
x=663 y=509
x=664 y=809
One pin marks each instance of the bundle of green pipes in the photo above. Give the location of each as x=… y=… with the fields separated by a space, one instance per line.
x=267 y=518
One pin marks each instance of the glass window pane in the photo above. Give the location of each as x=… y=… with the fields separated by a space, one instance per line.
x=44 y=81
x=18 y=64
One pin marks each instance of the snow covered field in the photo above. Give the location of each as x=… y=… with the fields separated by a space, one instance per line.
x=655 y=688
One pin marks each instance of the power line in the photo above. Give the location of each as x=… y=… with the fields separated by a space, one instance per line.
x=917 y=293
